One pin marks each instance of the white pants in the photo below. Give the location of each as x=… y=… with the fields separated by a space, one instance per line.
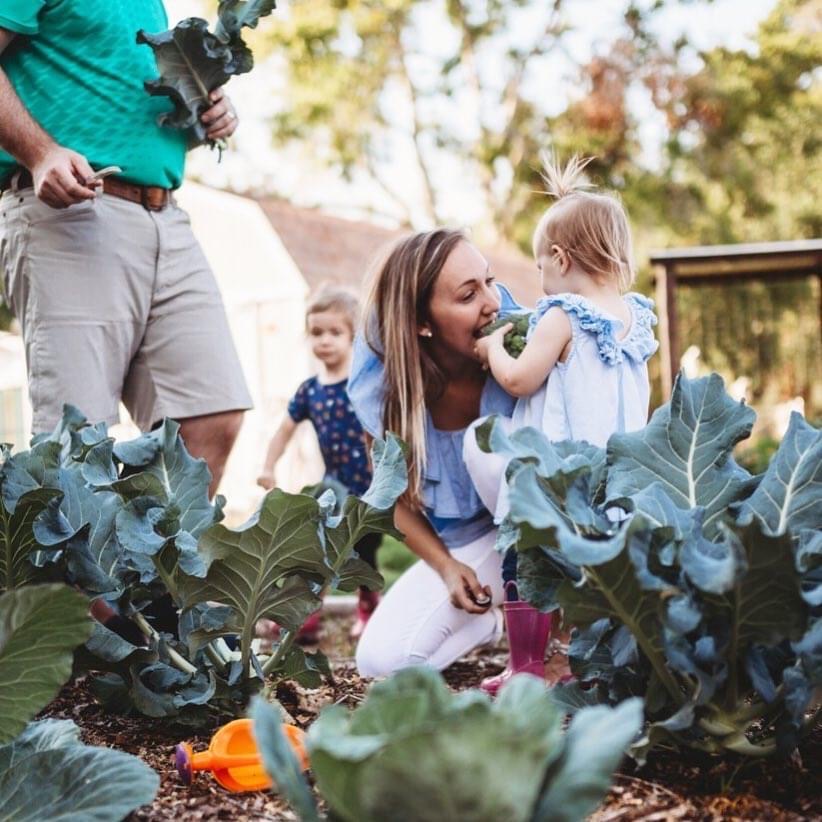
x=416 y=624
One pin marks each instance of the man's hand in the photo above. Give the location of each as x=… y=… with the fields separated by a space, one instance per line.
x=59 y=178
x=464 y=588
x=220 y=120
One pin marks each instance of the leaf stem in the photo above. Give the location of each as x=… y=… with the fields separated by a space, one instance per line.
x=179 y=662
x=286 y=643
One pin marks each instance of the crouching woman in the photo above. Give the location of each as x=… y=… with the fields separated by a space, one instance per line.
x=415 y=373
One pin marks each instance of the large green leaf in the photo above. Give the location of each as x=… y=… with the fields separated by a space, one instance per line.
x=531 y=445
x=790 y=493
x=40 y=626
x=166 y=504
x=543 y=505
x=615 y=590
x=256 y=570
x=48 y=774
x=30 y=470
x=594 y=745
x=686 y=449
x=766 y=605
x=17 y=541
x=280 y=762
x=417 y=752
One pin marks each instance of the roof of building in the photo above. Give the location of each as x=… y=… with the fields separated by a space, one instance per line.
x=333 y=249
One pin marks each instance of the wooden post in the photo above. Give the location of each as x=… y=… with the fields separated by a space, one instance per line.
x=668 y=332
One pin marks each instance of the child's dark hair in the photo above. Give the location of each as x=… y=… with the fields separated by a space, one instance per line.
x=330 y=297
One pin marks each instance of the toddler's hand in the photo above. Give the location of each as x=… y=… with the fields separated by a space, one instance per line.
x=483 y=346
x=266 y=481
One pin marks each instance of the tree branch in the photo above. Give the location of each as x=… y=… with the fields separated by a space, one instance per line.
x=430 y=196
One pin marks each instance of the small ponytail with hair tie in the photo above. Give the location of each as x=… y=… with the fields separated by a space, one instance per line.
x=559 y=181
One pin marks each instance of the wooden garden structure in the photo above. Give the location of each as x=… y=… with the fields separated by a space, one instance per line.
x=768 y=263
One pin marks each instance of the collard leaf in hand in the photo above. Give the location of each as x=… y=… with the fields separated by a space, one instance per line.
x=192 y=61
x=234 y=14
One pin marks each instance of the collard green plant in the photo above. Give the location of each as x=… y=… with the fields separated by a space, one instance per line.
x=414 y=750
x=47 y=773
x=193 y=61
x=690 y=582
x=132 y=522
x=40 y=626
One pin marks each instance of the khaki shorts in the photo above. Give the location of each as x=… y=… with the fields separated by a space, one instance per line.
x=116 y=303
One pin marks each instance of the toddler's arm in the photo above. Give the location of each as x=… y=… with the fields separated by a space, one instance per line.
x=521 y=377
x=275 y=450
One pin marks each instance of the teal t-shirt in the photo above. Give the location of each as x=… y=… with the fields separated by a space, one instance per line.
x=78 y=69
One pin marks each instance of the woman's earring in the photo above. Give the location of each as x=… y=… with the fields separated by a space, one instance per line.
x=426 y=332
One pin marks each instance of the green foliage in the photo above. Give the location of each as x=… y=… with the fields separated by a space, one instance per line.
x=132 y=521
x=415 y=751
x=47 y=773
x=40 y=626
x=704 y=596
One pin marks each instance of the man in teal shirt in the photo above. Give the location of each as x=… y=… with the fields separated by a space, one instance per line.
x=115 y=299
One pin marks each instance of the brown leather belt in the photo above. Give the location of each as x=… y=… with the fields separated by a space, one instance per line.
x=152 y=198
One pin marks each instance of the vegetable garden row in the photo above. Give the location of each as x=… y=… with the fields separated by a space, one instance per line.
x=694 y=590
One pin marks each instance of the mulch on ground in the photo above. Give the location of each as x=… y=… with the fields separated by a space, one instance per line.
x=672 y=785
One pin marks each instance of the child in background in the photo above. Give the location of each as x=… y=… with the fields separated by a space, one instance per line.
x=583 y=374
x=331 y=318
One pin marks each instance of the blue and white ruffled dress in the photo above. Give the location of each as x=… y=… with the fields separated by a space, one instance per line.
x=602 y=387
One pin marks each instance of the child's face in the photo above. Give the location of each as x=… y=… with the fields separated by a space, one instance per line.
x=330 y=336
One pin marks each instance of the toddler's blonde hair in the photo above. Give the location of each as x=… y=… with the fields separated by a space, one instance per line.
x=591 y=227
x=330 y=297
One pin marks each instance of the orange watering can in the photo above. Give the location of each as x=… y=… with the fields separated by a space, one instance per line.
x=233 y=757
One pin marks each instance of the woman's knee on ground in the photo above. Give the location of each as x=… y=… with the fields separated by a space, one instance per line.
x=376 y=657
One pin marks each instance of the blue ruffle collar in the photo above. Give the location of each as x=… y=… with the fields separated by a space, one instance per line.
x=638 y=345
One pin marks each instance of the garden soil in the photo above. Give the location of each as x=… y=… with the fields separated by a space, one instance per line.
x=672 y=785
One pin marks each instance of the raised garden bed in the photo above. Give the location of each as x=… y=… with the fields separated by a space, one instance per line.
x=672 y=785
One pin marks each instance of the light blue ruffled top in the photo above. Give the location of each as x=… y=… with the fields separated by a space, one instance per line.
x=452 y=505
x=602 y=387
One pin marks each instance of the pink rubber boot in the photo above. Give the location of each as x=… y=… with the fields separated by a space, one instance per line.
x=528 y=633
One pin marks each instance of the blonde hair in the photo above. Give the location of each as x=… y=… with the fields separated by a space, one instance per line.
x=397 y=306
x=329 y=297
x=591 y=227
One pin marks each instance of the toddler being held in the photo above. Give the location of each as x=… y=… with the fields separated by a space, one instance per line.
x=583 y=373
